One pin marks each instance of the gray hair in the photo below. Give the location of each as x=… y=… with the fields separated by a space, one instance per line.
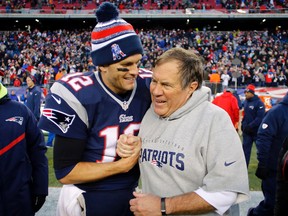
x=191 y=67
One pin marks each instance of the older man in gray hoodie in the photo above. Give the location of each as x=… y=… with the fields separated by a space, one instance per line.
x=191 y=160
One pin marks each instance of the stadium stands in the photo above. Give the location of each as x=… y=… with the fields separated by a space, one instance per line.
x=61 y=6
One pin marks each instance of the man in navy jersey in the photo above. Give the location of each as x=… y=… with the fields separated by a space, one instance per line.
x=89 y=111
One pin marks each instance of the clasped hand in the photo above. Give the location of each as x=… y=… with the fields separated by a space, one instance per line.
x=128 y=145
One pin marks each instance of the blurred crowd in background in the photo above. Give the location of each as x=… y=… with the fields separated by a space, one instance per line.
x=258 y=57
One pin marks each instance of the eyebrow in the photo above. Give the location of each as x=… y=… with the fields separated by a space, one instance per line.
x=123 y=69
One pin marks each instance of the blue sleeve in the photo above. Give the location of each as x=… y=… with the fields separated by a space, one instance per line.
x=260 y=112
x=37 y=104
x=61 y=119
x=266 y=135
x=67 y=153
x=61 y=173
x=36 y=150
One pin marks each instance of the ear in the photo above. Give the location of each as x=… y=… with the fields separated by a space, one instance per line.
x=193 y=86
x=102 y=68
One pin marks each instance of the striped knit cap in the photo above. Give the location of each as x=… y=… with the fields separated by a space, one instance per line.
x=112 y=39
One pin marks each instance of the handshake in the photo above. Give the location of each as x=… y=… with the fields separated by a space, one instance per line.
x=128 y=145
x=128 y=148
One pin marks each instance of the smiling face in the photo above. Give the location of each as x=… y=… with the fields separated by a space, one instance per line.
x=166 y=90
x=120 y=77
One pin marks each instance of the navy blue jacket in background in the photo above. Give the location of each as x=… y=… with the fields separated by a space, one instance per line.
x=33 y=101
x=271 y=134
x=23 y=164
x=254 y=111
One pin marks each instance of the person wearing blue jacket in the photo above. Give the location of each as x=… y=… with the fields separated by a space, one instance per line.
x=23 y=164
x=270 y=137
x=13 y=96
x=33 y=101
x=254 y=111
x=281 y=207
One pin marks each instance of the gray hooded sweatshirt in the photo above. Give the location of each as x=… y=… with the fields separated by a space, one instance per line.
x=196 y=146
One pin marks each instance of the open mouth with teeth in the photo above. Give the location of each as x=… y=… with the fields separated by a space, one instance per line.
x=159 y=102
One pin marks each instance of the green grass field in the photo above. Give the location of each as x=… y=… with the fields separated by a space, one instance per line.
x=52 y=179
x=253 y=180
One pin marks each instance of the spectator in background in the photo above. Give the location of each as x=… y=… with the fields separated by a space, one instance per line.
x=225 y=79
x=282 y=79
x=23 y=97
x=269 y=77
x=60 y=73
x=33 y=101
x=215 y=79
x=17 y=82
x=270 y=138
x=24 y=166
x=229 y=103
x=253 y=114
x=13 y=96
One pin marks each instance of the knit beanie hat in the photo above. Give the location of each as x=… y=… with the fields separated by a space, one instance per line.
x=112 y=39
x=32 y=78
x=250 y=88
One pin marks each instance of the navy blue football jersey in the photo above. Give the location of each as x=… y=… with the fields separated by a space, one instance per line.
x=80 y=106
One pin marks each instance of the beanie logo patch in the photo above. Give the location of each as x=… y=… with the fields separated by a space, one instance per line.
x=117 y=52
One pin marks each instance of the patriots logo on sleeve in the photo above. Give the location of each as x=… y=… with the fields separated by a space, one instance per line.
x=61 y=119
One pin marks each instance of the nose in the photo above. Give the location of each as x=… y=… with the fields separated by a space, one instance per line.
x=134 y=70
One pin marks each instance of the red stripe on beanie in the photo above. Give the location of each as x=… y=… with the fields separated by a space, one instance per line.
x=111 y=31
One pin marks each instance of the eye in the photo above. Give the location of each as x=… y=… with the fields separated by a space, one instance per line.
x=166 y=85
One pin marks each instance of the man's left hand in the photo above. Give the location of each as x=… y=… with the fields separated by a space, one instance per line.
x=145 y=205
x=38 y=201
x=262 y=172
